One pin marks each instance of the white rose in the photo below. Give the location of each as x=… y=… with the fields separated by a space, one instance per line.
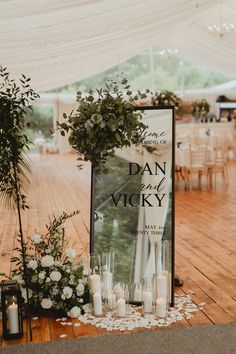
x=32 y=264
x=36 y=238
x=46 y=303
x=67 y=292
x=42 y=275
x=86 y=270
x=70 y=252
x=74 y=312
x=80 y=289
x=48 y=280
x=47 y=261
x=55 y=276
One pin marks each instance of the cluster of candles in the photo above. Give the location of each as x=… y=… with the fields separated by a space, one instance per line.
x=104 y=295
x=153 y=293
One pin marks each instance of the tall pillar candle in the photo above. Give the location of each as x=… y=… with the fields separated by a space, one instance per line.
x=97 y=304
x=161 y=308
x=13 y=318
x=121 y=308
x=147 y=299
x=95 y=283
x=162 y=286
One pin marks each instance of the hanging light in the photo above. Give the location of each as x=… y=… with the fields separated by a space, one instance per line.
x=221 y=30
x=223 y=27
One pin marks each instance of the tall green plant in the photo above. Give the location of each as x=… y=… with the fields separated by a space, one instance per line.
x=15 y=100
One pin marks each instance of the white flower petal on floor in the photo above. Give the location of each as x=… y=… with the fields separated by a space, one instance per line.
x=184 y=308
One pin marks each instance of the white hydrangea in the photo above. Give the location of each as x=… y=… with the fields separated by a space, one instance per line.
x=36 y=238
x=74 y=312
x=32 y=264
x=70 y=252
x=80 y=289
x=55 y=275
x=42 y=275
x=46 y=303
x=47 y=261
x=67 y=292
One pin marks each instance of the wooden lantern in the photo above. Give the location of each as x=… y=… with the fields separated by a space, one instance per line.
x=11 y=299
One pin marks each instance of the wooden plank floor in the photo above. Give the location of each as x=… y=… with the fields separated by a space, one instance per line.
x=205 y=239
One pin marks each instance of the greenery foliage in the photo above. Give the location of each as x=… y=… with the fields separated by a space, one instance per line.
x=56 y=280
x=167 y=98
x=105 y=119
x=200 y=108
x=14 y=102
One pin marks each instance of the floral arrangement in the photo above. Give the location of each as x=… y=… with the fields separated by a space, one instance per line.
x=200 y=108
x=105 y=119
x=167 y=98
x=56 y=281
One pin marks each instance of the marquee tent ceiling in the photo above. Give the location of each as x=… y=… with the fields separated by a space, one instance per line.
x=58 y=42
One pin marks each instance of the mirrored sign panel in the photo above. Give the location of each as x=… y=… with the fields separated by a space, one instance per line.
x=134 y=205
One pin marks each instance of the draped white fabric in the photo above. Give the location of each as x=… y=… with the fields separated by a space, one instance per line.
x=57 y=42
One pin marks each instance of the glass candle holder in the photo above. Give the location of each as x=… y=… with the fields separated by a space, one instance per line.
x=107 y=272
x=136 y=293
x=111 y=303
x=162 y=280
x=121 y=291
x=148 y=295
x=95 y=276
x=97 y=304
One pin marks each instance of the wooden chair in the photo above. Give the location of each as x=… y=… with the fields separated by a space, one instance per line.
x=198 y=156
x=219 y=164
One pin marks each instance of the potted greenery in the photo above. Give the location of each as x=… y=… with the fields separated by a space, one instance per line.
x=105 y=120
x=14 y=167
x=200 y=109
x=167 y=98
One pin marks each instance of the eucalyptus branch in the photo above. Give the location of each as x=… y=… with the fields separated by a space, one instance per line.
x=105 y=120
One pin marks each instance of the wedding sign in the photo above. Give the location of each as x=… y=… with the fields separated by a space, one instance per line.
x=134 y=205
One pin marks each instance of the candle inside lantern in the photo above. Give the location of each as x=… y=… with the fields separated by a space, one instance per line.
x=111 y=301
x=161 y=310
x=95 y=283
x=147 y=299
x=121 y=309
x=97 y=304
x=13 y=318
